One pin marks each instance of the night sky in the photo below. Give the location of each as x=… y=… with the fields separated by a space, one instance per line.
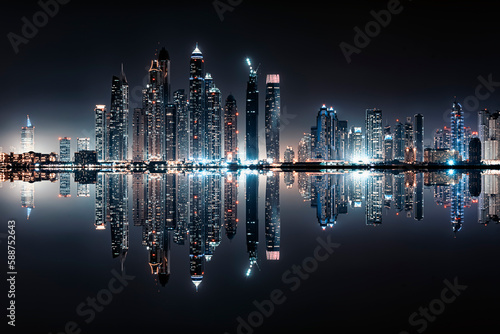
x=429 y=52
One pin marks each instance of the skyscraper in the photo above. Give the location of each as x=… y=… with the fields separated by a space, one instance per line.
x=323 y=135
x=171 y=133
x=83 y=144
x=419 y=137
x=272 y=217
x=213 y=125
x=117 y=120
x=388 y=144
x=100 y=131
x=289 y=155
x=304 y=148
x=154 y=107
x=252 y=220
x=231 y=129
x=182 y=113
x=457 y=130
x=197 y=104
x=64 y=149
x=272 y=117
x=373 y=137
x=355 y=143
x=252 y=115
x=28 y=137
x=138 y=135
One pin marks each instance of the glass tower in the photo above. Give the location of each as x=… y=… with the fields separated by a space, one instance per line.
x=252 y=116
x=272 y=117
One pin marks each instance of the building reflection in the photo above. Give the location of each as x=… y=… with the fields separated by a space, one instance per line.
x=195 y=210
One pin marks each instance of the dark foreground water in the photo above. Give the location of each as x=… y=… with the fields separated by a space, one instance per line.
x=212 y=252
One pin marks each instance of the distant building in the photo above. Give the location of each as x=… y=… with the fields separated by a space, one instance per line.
x=304 y=148
x=82 y=144
x=440 y=156
x=289 y=155
x=86 y=157
x=28 y=137
x=65 y=149
x=100 y=131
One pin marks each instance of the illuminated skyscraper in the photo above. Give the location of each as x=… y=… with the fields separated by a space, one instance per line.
x=231 y=204
x=197 y=104
x=28 y=197
x=388 y=144
x=171 y=133
x=252 y=116
x=28 y=137
x=100 y=131
x=154 y=107
x=304 y=148
x=64 y=185
x=117 y=120
x=213 y=125
x=231 y=129
x=65 y=149
x=457 y=130
x=138 y=135
x=419 y=137
x=355 y=144
x=373 y=136
x=83 y=144
x=272 y=117
x=399 y=141
x=182 y=112
x=289 y=155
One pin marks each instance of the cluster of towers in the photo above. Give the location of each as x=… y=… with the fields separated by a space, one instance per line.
x=176 y=126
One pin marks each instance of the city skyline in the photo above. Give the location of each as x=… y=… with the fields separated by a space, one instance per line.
x=430 y=91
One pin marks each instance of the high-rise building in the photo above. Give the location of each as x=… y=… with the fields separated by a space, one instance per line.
x=323 y=135
x=483 y=127
x=83 y=144
x=164 y=62
x=64 y=185
x=409 y=138
x=197 y=104
x=457 y=130
x=289 y=155
x=213 y=125
x=64 y=149
x=100 y=131
x=304 y=148
x=230 y=129
x=252 y=116
x=355 y=144
x=28 y=137
x=154 y=107
x=28 y=197
x=182 y=112
x=116 y=130
x=373 y=136
x=138 y=135
x=490 y=135
x=388 y=144
x=272 y=117
x=170 y=133
x=342 y=134
x=399 y=141
x=419 y=137
x=231 y=204
x=252 y=220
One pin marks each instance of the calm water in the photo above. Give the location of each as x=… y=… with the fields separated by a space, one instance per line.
x=212 y=252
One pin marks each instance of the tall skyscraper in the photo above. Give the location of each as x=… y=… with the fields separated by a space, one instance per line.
x=197 y=104
x=419 y=137
x=342 y=140
x=117 y=120
x=398 y=141
x=83 y=144
x=100 y=131
x=64 y=149
x=213 y=125
x=252 y=115
x=289 y=155
x=457 y=130
x=182 y=112
x=164 y=63
x=64 y=185
x=388 y=144
x=171 y=133
x=323 y=135
x=304 y=148
x=272 y=117
x=28 y=137
x=373 y=137
x=483 y=127
x=139 y=129
x=154 y=107
x=231 y=129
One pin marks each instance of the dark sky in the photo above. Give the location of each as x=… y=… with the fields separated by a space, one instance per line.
x=428 y=53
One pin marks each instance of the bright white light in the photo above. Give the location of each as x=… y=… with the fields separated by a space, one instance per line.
x=451 y=163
